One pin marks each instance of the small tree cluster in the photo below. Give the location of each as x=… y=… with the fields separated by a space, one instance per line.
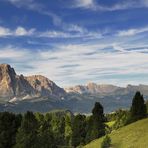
x=106 y=143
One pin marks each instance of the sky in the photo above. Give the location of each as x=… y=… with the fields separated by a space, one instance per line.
x=76 y=41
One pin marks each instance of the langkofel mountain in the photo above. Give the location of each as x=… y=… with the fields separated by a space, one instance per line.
x=15 y=87
x=19 y=93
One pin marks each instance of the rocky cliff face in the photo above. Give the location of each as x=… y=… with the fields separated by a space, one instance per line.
x=13 y=86
x=44 y=86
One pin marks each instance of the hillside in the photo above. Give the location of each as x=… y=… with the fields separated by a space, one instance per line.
x=132 y=136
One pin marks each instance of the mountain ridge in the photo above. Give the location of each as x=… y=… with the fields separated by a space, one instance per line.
x=37 y=93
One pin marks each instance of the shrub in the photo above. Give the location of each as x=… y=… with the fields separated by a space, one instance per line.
x=106 y=143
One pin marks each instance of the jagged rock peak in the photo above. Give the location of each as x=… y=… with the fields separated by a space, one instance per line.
x=19 y=86
x=6 y=68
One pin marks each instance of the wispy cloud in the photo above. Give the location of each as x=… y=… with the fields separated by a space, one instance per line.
x=73 y=31
x=10 y=52
x=123 y=5
x=19 y=31
x=72 y=63
x=132 y=32
x=42 y=9
x=37 y=7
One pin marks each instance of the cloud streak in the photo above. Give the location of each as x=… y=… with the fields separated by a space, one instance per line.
x=132 y=32
x=96 y=6
x=72 y=32
x=72 y=64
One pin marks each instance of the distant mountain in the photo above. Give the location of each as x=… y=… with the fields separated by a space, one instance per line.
x=37 y=93
x=15 y=87
x=92 y=88
x=112 y=97
x=106 y=89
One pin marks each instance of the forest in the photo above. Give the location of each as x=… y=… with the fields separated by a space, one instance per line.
x=63 y=129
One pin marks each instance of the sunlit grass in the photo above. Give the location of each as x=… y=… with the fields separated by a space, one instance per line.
x=134 y=135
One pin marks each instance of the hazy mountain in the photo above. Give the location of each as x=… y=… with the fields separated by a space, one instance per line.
x=112 y=97
x=92 y=88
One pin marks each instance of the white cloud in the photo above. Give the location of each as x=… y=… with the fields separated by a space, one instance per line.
x=54 y=34
x=73 y=31
x=78 y=63
x=75 y=28
x=132 y=32
x=4 y=31
x=84 y=3
x=19 y=31
x=123 y=5
x=79 y=34
x=10 y=52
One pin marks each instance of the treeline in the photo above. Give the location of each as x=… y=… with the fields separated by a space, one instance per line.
x=51 y=130
x=62 y=129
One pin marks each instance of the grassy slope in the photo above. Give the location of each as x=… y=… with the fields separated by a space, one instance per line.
x=110 y=124
x=131 y=136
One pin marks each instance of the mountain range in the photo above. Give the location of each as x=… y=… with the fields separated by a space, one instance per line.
x=20 y=93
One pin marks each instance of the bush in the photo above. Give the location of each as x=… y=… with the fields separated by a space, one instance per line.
x=106 y=143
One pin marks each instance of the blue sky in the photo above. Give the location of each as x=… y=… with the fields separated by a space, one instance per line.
x=76 y=41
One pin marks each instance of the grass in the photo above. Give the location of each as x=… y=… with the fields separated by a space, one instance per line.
x=134 y=135
x=110 y=124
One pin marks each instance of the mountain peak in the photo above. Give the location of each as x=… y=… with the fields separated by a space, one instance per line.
x=6 y=68
x=19 y=86
x=92 y=88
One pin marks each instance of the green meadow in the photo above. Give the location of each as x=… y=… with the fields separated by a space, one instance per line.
x=134 y=135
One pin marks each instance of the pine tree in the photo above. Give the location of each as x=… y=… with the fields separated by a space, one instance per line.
x=78 y=128
x=27 y=133
x=95 y=125
x=138 y=108
x=9 y=124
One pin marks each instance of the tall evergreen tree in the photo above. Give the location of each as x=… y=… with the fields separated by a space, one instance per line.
x=96 y=126
x=79 y=132
x=27 y=133
x=9 y=124
x=138 y=108
x=45 y=136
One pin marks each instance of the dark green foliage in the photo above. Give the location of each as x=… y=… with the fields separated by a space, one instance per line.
x=78 y=130
x=138 y=108
x=45 y=136
x=68 y=130
x=106 y=143
x=58 y=129
x=122 y=118
x=111 y=116
x=95 y=124
x=9 y=124
x=147 y=106
x=27 y=133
